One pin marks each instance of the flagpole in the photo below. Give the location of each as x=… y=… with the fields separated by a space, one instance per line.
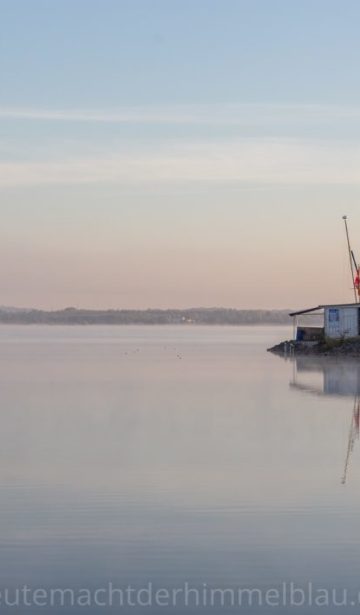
x=350 y=258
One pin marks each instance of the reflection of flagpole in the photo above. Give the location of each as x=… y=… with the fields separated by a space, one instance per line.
x=353 y=434
x=350 y=258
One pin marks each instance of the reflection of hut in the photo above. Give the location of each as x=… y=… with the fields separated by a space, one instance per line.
x=335 y=321
x=326 y=377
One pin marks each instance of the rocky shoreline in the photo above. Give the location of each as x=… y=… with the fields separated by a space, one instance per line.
x=333 y=348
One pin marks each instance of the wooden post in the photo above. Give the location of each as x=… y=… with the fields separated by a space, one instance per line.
x=294 y=327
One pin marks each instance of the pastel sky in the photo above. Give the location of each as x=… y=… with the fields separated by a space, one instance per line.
x=177 y=153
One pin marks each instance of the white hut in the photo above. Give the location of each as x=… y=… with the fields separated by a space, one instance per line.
x=336 y=321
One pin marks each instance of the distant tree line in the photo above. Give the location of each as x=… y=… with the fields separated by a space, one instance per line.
x=198 y=316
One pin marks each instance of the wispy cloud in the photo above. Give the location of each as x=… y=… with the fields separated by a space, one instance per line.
x=238 y=114
x=271 y=161
x=288 y=158
x=120 y=116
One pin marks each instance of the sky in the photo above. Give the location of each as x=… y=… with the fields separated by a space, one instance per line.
x=178 y=153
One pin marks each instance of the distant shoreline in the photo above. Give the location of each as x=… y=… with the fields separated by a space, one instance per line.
x=191 y=316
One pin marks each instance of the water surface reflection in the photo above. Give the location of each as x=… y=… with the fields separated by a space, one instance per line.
x=120 y=461
x=331 y=377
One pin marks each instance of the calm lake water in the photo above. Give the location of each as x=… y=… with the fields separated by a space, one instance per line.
x=174 y=457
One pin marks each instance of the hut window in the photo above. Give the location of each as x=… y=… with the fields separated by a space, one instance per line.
x=334 y=315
